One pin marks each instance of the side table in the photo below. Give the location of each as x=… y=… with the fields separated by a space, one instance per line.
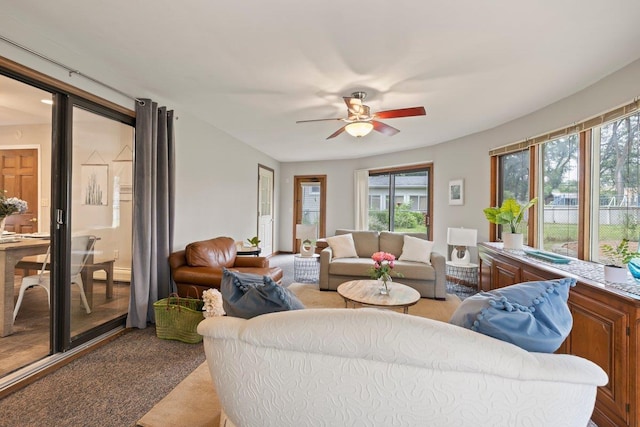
x=306 y=269
x=463 y=274
x=248 y=251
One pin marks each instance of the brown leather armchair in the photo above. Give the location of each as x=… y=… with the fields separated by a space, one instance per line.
x=199 y=266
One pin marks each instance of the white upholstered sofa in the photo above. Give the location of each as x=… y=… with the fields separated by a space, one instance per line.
x=370 y=367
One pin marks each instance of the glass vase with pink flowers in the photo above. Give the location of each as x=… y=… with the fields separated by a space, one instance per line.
x=383 y=263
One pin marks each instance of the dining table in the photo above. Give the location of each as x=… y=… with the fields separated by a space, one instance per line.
x=12 y=250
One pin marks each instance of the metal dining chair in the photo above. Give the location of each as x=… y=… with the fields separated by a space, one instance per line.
x=81 y=248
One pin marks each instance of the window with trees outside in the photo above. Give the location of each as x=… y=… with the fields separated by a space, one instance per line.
x=514 y=180
x=410 y=191
x=559 y=201
x=617 y=152
x=587 y=180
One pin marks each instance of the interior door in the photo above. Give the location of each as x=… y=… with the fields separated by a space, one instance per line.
x=19 y=178
x=265 y=209
x=310 y=196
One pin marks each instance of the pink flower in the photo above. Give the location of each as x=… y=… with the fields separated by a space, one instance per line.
x=378 y=257
x=383 y=263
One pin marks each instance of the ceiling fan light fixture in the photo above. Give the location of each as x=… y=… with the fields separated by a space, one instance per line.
x=359 y=128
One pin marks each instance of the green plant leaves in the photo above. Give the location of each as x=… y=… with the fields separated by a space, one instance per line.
x=619 y=255
x=510 y=213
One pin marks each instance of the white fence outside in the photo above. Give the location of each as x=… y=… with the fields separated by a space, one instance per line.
x=609 y=215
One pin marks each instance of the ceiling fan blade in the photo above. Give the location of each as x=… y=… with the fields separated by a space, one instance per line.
x=384 y=128
x=401 y=112
x=316 y=120
x=354 y=105
x=338 y=132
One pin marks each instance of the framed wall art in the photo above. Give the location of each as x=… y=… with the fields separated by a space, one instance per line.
x=95 y=184
x=456 y=192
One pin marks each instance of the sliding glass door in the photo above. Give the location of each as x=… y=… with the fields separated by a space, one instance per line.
x=67 y=257
x=400 y=200
x=100 y=220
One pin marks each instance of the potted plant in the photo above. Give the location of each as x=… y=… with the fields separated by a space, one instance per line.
x=254 y=242
x=619 y=256
x=511 y=213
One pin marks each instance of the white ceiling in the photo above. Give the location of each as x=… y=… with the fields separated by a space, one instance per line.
x=252 y=68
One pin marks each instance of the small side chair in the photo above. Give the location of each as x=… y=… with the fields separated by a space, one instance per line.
x=81 y=248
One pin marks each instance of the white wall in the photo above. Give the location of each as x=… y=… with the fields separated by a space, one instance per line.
x=216 y=184
x=465 y=158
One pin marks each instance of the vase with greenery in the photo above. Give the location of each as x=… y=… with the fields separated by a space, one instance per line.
x=618 y=257
x=511 y=215
x=254 y=241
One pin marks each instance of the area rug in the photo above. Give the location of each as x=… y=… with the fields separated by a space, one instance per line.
x=194 y=402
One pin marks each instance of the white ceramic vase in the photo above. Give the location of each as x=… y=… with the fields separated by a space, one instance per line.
x=512 y=241
x=615 y=274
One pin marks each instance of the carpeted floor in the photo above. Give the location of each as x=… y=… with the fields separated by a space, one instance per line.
x=285 y=262
x=113 y=385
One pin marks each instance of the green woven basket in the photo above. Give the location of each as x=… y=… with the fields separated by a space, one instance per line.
x=177 y=318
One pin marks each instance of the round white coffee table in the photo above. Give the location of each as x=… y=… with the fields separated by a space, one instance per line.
x=367 y=292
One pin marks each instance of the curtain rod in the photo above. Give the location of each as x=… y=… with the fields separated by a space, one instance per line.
x=71 y=71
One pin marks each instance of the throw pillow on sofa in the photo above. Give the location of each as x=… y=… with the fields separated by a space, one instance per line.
x=342 y=246
x=416 y=250
x=248 y=295
x=531 y=315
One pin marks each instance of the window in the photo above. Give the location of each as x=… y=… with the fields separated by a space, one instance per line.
x=514 y=181
x=559 y=225
x=410 y=191
x=587 y=180
x=418 y=203
x=616 y=147
x=514 y=177
x=374 y=203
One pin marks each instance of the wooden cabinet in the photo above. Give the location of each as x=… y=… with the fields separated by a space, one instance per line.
x=485 y=269
x=605 y=329
x=599 y=334
x=505 y=273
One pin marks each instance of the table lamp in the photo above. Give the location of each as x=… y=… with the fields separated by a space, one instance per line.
x=461 y=239
x=307 y=235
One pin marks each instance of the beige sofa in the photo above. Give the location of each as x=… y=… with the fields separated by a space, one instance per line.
x=428 y=280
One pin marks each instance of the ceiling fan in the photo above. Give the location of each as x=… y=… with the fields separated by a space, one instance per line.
x=360 y=121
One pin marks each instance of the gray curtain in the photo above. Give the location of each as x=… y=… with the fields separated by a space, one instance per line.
x=153 y=211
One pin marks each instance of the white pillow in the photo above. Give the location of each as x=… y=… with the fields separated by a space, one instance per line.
x=416 y=249
x=342 y=246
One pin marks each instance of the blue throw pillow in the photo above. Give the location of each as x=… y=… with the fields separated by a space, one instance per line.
x=248 y=295
x=531 y=315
